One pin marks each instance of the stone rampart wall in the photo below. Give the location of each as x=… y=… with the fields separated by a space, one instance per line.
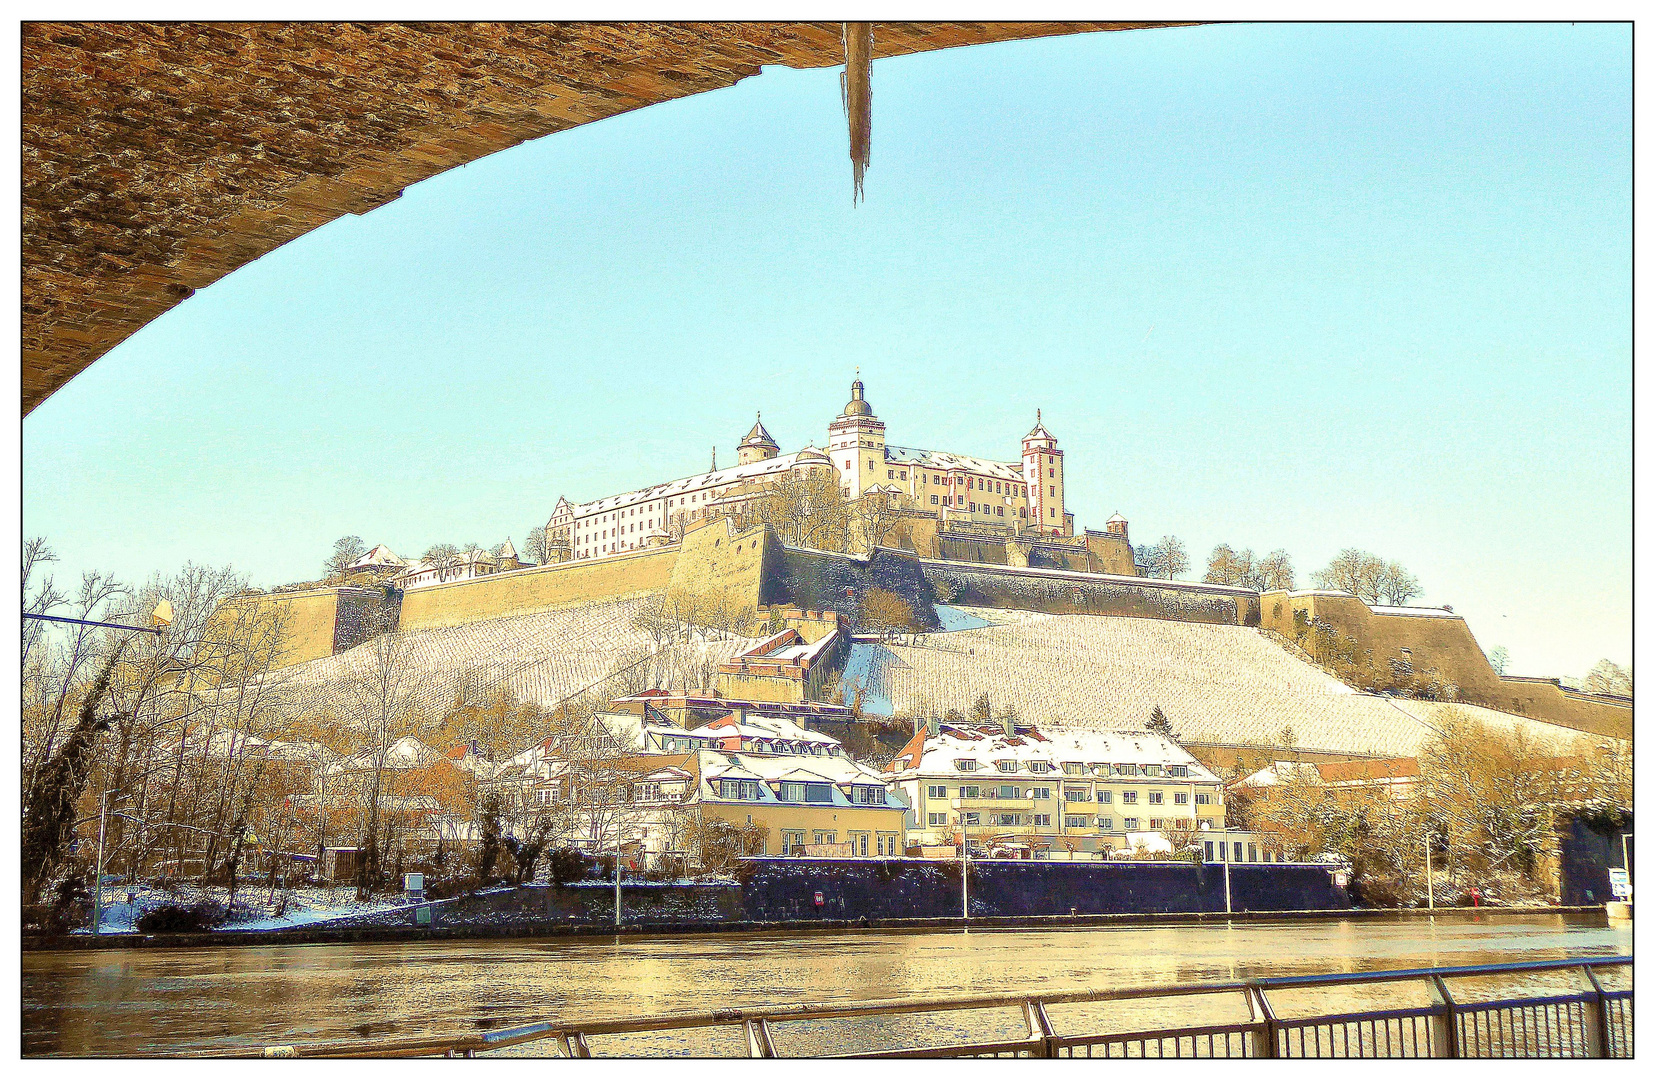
x=1444 y=644
x=541 y=588
x=1090 y=594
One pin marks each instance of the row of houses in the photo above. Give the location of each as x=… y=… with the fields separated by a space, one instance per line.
x=758 y=782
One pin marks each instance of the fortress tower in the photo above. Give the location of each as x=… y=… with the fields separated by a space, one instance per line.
x=758 y=445
x=1043 y=472
x=856 y=444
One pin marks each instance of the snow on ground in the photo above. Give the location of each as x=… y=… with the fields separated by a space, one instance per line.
x=1219 y=683
x=953 y=618
x=254 y=910
x=545 y=657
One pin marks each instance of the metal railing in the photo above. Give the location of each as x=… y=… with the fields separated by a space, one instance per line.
x=1589 y=1021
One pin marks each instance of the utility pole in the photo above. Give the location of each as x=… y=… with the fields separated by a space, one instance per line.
x=97 y=894
x=1227 y=908
x=1430 y=887
x=965 y=883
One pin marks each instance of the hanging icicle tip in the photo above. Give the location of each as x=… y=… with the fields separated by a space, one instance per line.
x=856 y=87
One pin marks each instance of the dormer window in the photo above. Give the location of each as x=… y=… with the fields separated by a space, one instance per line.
x=1040 y=766
x=1006 y=765
x=1073 y=768
x=965 y=765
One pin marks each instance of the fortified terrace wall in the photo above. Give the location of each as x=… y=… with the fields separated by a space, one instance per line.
x=1431 y=640
x=719 y=574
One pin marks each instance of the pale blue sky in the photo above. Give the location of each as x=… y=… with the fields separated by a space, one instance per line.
x=1280 y=286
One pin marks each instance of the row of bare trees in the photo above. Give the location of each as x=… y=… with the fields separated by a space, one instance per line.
x=1486 y=802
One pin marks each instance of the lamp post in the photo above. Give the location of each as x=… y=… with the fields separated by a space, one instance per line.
x=1430 y=886
x=97 y=873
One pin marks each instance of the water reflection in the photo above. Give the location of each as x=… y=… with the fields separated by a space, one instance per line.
x=161 y=1002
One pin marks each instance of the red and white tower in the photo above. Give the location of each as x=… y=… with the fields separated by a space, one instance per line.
x=1043 y=473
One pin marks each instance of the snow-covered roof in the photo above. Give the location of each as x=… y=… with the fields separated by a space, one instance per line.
x=406 y=753
x=839 y=771
x=938 y=459
x=753 y=470
x=755 y=726
x=378 y=555
x=1050 y=748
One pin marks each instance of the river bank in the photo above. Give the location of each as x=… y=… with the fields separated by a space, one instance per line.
x=369 y=935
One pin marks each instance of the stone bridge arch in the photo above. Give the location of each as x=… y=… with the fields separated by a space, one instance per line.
x=159 y=157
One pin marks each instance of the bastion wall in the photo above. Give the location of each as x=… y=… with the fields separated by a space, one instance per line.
x=1442 y=642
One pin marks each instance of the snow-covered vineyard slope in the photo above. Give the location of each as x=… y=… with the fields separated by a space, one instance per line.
x=544 y=658
x=1227 y=684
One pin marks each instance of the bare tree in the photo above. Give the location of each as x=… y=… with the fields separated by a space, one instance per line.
x=873 y=516
x=806 y=510
x=346 y=550
x=443 y=558
x=534 y=546
x=1608 y=677
x=1165 y=558
x=1367 y=576
x=1226 y=566
x=1275 y=571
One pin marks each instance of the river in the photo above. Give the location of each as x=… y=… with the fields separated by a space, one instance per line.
x=166 y=1001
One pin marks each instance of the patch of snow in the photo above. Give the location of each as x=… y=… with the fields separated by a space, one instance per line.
x=953 y=618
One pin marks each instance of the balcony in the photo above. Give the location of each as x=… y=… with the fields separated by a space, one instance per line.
x=989 y=802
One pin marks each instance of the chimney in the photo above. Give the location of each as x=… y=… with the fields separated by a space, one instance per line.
x=1008 y=726
x=933 y=727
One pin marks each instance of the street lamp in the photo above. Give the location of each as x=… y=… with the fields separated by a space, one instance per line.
x=160 y=618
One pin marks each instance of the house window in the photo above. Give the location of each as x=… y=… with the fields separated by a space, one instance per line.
x=543 y=797
x=820 y=837
x=1156 y=798
x=1152 y=770
x=968 y=791
x=650 y=792
x=965 y=765
x=1106 y=823
x=890 y=474
x=936 y=791
x=1040 y=766
x=1105 y=795
x=1076 y=794
x=867 y=795
x=1129 y=798
x=859 y=844
x=1203 y=799
x=1077 y=821
x=1009 y=791
x=1252 y=853
x=792 y=792
x=1181 y=798
x=1005 y=765
x=936 y=820
x=747 y=790
x=1008 y=819
x=1073 y=768
x=1040 y=793
x=818 y=793
x=1043 y=819
x=970 y=817
x=1157 y=823
x=1178 y=770
x=1129 y=824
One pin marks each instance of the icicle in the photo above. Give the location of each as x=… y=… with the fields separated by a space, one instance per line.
x=856 y=88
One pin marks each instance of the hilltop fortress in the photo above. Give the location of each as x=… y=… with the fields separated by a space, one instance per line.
x=1006 y=598
x=942 y=504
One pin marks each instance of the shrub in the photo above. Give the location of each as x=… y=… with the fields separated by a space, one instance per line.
x=564 y=865
x=178 y=919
